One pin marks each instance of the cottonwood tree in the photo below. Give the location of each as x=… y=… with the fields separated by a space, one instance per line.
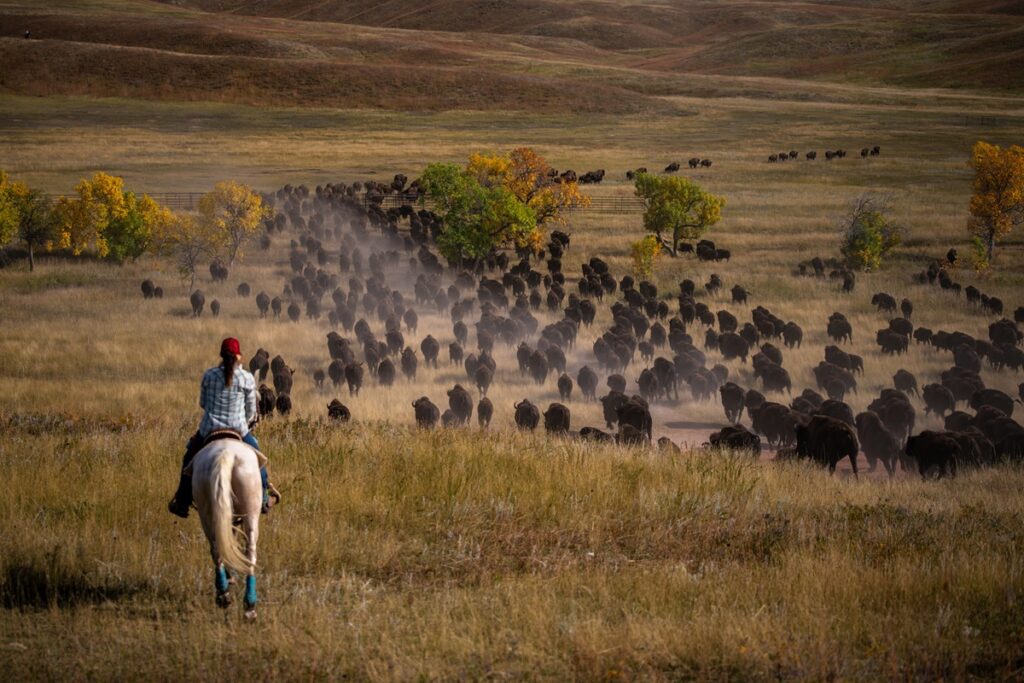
x=678 y=206
x=235 y=212
x=529 y=177
x=479 y=217
x=26 y=216
x=105 y=217
x=997 y=204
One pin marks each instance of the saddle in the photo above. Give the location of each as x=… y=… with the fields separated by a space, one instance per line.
x=218 y=434
x=232 y=435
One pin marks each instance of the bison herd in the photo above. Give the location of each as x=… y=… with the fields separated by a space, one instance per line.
x=793 y=155
x=370 y=274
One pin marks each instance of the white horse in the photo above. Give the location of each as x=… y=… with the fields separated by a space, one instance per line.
x=225 y=486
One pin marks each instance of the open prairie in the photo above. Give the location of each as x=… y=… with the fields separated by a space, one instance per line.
x=470 y=553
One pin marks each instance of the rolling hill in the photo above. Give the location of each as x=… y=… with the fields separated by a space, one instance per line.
x=607 y=56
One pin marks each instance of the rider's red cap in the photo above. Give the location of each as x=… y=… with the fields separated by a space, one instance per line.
x=231 y=345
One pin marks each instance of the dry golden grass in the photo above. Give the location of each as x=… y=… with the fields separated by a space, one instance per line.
x=457 y=555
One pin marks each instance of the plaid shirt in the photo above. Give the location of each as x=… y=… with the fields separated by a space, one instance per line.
x=227 y=407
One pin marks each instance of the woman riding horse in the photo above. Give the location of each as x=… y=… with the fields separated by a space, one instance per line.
x=228 y=397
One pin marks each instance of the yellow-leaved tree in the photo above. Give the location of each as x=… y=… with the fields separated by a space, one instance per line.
x=26 y=216
x=82 y=219
x=527 y=175
x=9 y=191
x=234 y=213
x=997 y=205
x=106 y=218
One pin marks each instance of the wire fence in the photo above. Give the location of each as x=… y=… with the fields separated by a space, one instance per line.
x=189 y=201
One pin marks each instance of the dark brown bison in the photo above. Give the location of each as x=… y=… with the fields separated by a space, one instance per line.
x=386 y=373
x=556 y=419
x=992 y=397
x=483 y=378
x=455 y=353
x=732 y=346
x=198 y=301
x=635 y=412
x=266 y=401
x=793 y=335
x=587 y=381
x=877 y=442
x=773 y=421
x=905 y=382
x=147 y=289
x=938 y=399
x=594 y=434
x=426 y=412
x=484 y=412
x=409 y=363
x=934 y=450
x=338 y=411
x=461 y=403
x=732 y=401
x=565 y=387
x=827 y=440
x=736 y=438
x=263 y=303
x=283 y=404
x=429 y=347
x=353 y=377
x=527 y=416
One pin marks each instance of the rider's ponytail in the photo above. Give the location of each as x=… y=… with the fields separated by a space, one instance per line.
x=228 y=361
x=230 y=350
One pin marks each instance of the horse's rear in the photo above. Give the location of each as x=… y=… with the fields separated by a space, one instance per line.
x=225 y=486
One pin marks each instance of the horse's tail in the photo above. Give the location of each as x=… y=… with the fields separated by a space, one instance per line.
x=222 y=512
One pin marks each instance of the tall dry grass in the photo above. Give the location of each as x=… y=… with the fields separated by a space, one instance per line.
x=455 y=555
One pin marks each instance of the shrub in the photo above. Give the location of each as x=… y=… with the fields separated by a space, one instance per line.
x=868 y=232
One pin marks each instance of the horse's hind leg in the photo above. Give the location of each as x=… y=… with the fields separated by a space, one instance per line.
x=252 y=532
x=223 y=586
x=221 y=582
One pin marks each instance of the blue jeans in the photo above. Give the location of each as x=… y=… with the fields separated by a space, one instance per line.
x=195 y=444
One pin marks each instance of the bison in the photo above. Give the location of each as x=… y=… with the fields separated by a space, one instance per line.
x=556 y=419
x=426 y=412
x=527 y=416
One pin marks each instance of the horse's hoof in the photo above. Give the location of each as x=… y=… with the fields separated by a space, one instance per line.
x=223 y=600
x=250 y=614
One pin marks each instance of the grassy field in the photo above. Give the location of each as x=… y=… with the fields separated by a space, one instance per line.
x=466 y=556
x=470 y=554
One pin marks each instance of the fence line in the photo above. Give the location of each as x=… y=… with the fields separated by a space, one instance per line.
x=189 y=201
